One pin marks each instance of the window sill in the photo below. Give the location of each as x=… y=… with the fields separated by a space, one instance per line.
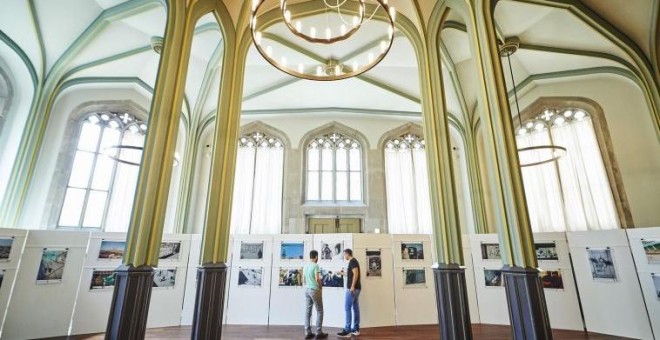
x=333 y=205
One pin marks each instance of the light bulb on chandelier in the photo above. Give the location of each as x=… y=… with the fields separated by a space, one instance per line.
x=358 y=12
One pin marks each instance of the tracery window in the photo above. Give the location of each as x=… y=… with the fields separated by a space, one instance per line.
x=100 y=189
x=334 y=169
x=257 y=196
x=406 y=177
x=572 y=193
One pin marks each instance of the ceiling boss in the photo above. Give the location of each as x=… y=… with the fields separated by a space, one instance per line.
x=323 y=39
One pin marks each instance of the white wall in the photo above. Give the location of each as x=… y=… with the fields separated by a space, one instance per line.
x=635 y=143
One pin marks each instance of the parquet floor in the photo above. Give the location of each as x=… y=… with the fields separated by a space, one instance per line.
x=491 y=332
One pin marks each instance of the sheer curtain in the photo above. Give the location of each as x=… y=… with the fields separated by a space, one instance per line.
x=425 y=222
x=123 y=188
x=241 y=210
x=267 y=200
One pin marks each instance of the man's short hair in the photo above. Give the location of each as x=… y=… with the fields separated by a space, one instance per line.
x=348 y=251
x=313 y=254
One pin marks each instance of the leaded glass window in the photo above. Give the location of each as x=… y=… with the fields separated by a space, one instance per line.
x=334 y=169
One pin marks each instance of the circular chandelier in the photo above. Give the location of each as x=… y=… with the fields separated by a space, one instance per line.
x=308 y=46
x=534 y=154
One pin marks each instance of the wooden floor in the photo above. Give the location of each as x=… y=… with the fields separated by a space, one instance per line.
x=382 y=333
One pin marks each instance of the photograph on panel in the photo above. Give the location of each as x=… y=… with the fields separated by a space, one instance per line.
x=170 y=251
x=112 y=250
x=102 y=279
x=51 y=268
x=252 y=251
x=5 y=248
x=652 y=250
x=332 y=278
x=249 y=277
x=374 y=263
x=490 y=251
x=552 y=279
x=2 y=276
x=332 y=250
x=546 y=251
x=292 y=251
x=493 y=278
x=602 y=264
x=412 y=251
x=656 y=284
x=164 y=278
x=414 y=277
x=290 y=277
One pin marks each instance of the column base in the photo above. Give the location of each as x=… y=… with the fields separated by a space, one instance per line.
x=527 y=308
x=452 y=302
x=130 y=303
x=209 y=301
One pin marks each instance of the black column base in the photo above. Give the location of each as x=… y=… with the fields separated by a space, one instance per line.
x=209 y=301
x=452 y=302
x=130 y=303
x=527 y=308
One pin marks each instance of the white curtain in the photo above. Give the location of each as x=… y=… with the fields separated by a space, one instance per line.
x=408 y=201
x=587 y=192
x=241 y=209
x=123 y=188
x=267 y=195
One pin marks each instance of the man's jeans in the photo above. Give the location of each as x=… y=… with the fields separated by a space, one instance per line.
x=351 y=304
x=313 y=297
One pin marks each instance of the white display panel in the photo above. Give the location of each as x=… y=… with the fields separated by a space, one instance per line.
x=645 y=247
x=14 y=238
x=492 y=299
x=51 y=304
x=333 y=298
x=613 y=307
x=191 y=280
x=470 y=281
x=248 y=304
x=415 y=302
x=377 y=307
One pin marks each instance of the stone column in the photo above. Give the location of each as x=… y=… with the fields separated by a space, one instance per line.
x=527 y=308
x=130 y=302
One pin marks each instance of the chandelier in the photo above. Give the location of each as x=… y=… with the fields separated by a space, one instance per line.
x=324 y=39
x=534 y=154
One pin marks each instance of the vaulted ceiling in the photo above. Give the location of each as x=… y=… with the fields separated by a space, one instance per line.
x=109 y=43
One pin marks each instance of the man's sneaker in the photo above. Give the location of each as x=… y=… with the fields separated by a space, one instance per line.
x=321 y=335
x=356 y=332
x=344 y=334
x=310 y=336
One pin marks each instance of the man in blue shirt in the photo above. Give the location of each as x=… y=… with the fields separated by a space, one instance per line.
x=351 y=304
x=313 y=296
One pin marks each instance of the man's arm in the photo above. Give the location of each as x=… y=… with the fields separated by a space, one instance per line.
x=318 y=279
x=356 y=275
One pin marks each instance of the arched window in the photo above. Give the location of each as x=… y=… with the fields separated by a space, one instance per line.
x=257 y=197
x=100 y=190
x=407 y=185
x=572 y=193
x=334 y=169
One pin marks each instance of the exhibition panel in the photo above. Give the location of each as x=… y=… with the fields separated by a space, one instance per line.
x=485 y=253
x=470 y=281
x=191 y=279
x=331 y=260
x=611 y=297
x=11 y=248
x=46 y=284
x=645 y=246
x=414 y=288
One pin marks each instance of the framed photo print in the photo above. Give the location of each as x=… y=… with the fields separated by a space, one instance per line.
x=51 y=267
x=252 y=251
x=290 y=277
x=552 y=279
x=374 y=263
x=602 y=264
x=250 y=277
x=112 y=250
x=493 y=278
x=546 y=251
x=490 y=251
x=292 y=251
x=412 y=251
x=5 y=248
x=652 y=250
x=414 y=278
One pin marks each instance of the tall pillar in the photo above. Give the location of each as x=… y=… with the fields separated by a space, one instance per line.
x=212 y=274
x=450 y=283
x=132 y=293
x=526 y=301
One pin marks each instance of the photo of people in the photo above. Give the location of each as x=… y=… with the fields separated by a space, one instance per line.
x=652 y=250
x=292 y=251
x=331 y=278
x=656 y=283
x=552 y=279
x=373 y=262
x=5 y=248
x=252 y=251
x=490 y=251
x=164 y=278
x=290 y=277
x=112 y=250
x=170 y=251
x=493 y=278
x=250 y=277
x=52 y=265
x=102 y=279
x=602 y=264
x=546 y=252
x=332 y=251
x=412 y=251
x=414 y=277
